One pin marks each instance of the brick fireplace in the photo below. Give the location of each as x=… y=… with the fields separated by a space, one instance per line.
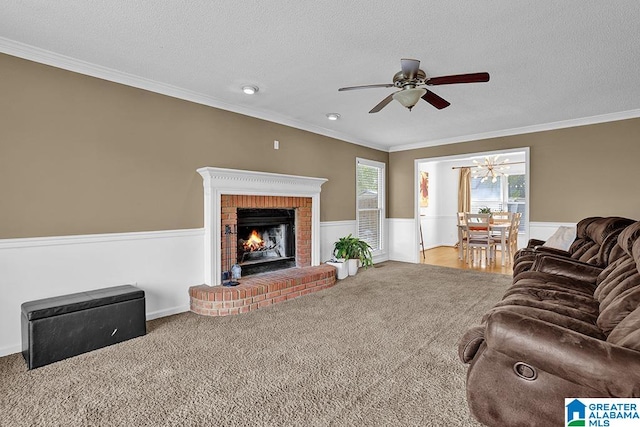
x=240 y=188
x=228 y=191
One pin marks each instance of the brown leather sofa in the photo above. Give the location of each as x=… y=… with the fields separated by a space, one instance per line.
x=595 y=238
x=565 y=328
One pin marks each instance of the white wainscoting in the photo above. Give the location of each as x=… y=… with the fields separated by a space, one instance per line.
x=162 y=263
x=331 y=231
x=404 y=243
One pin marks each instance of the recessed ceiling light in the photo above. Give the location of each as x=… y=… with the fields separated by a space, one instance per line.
x=249 y=90
x=333 y=116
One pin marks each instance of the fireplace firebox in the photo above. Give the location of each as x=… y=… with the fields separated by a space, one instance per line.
x=266 y=239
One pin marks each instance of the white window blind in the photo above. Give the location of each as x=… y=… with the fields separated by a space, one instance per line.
x=370 y=177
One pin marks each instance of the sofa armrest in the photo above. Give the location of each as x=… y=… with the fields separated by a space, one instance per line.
x=566 y=267
x=588 y=361
x=523 y=253
x=534 y=242
x=552 y=251
x=470 y=343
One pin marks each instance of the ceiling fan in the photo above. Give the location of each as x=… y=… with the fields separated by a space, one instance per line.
x=410 y=81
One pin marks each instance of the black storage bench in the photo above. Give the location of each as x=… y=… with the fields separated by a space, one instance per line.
x=60 y=327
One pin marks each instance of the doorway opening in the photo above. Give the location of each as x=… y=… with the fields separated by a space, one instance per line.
x=436 y=203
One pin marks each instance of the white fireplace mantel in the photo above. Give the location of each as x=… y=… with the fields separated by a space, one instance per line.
x=219 y=181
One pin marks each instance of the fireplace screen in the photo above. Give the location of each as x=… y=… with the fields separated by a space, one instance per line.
x=266 y=240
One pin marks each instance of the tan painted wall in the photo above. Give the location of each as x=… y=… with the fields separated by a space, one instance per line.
x=80 y=155
x=575 y=172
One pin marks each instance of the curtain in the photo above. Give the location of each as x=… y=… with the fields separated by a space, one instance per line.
x=464 y=190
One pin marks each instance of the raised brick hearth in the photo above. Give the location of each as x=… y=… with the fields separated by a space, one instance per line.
x=260 y=290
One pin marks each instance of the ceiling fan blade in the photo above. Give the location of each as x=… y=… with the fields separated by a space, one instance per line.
x=435 y=100
x=365 y=87
x=382 y=104
x=409 y=67
x=459 y=78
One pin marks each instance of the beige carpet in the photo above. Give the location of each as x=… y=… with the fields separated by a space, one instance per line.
x=377 y=349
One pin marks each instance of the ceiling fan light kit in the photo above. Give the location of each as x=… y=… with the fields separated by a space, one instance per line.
x=409 y=97
x=409 y=80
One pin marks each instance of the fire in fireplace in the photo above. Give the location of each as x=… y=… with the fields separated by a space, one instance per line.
x=266 y=240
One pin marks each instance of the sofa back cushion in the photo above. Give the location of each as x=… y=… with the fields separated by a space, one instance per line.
x=621 y=307
x=616 y=278
x=600 y=237
x=627 y=333
x=619 y=293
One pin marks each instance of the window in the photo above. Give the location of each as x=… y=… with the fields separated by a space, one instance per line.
x=506 y=194
x=370 y=184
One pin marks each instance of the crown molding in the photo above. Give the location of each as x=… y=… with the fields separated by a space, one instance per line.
x=32 y=53
x=584 y=121
x=53 y=59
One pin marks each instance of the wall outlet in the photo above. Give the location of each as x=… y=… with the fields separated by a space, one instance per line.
x=276 y=144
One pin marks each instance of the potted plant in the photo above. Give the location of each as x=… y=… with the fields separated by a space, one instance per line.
x=355 y=251
x=486 y=210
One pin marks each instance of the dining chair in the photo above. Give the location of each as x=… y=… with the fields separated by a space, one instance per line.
x=500 y=217
x=513 y=234
x=511 y=239
x=479 y=237
x=462 y=236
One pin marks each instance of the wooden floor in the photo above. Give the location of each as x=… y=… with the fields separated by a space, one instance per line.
x=447 y=256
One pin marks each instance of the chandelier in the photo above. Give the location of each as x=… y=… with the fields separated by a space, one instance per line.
x=491 y=168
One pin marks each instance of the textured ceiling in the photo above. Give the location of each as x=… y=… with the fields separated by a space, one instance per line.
x=552 y=63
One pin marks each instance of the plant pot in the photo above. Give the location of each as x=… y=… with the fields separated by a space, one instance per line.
x=353 y=266
x=342 y=269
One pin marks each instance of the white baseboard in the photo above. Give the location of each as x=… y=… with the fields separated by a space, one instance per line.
x=167 y=312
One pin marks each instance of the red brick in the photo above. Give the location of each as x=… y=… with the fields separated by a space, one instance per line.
x=293 y=295
x=279 y=299
x=271 y=295
x=265 y=303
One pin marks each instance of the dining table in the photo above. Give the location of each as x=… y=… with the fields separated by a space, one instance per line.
x=501 y=227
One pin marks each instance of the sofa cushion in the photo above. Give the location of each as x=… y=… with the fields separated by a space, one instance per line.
x=622 y=276
x=554 y=318
x=623 y=305
x=579 y=313
x=627 y=333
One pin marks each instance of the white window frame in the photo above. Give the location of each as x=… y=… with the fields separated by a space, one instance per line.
x=382 y=202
